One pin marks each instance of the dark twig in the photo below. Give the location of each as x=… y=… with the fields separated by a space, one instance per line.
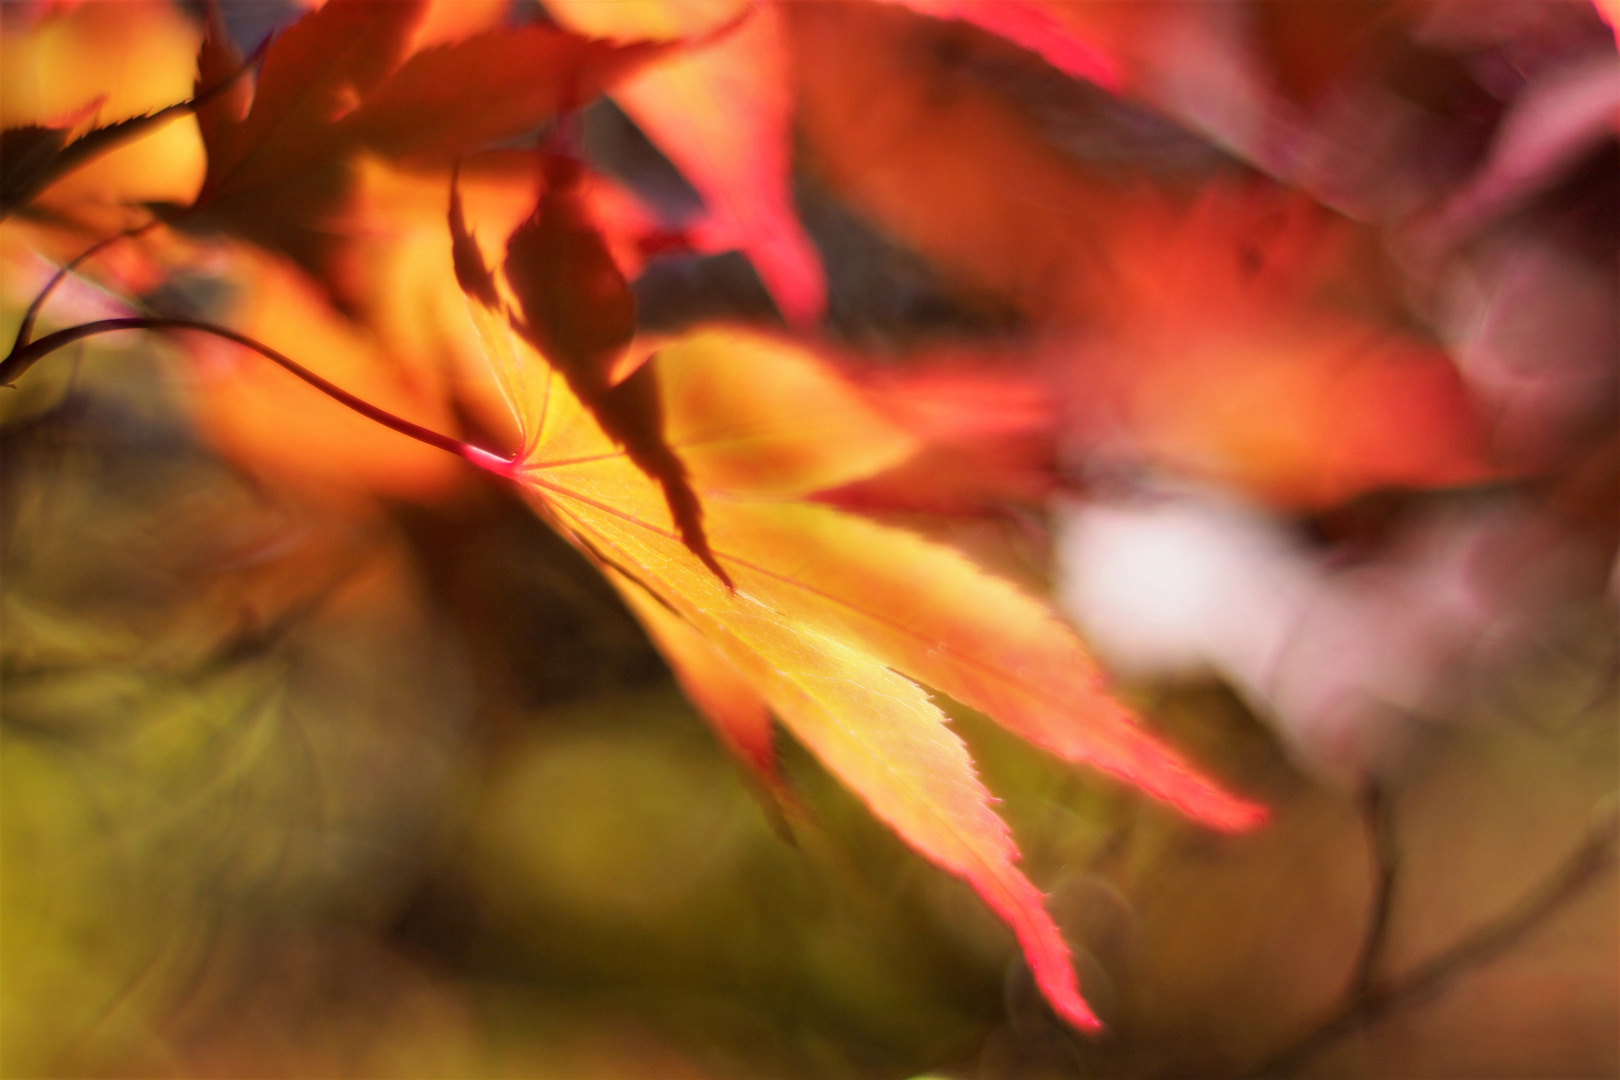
x=25 y=332
x=1379 y=813
x=1595 y=855
x=21 y=359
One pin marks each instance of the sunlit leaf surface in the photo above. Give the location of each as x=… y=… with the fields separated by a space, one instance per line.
x=824 y=616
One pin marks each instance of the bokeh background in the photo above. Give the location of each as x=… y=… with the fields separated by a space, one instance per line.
x=322 y=757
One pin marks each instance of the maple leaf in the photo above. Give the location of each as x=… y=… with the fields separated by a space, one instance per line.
x=1212 y=347
x=340 y=81
x=29 y=153
x=1033 y=27
x=71 y=73
x=832 y=621
x=33 y=155
x=988 y=435
x=575 y=307
x=721 y=111
x=1242 y=335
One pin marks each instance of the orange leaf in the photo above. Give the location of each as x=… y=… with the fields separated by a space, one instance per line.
x=218 y=60
x=1243 y=334
x=764 y=417
x=1029 y=26
x=928 y=613
x=71 y=71
x=576 y=308
x=944 y=165
x=338 y=82
x=318 y=70
x=455 y=98
x=1250 y=350
x=723 y=113
x=988 y=436
x=721 y=693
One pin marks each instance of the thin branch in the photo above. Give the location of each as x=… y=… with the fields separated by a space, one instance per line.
x=1379 y=813
x=20 y=360
x=1595 y=855
x=25 y=332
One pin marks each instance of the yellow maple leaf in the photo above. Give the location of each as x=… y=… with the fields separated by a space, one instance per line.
x=828 y=621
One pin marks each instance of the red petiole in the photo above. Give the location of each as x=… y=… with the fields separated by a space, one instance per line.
x=27 y=353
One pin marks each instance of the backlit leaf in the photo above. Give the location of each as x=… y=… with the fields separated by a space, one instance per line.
x=1032 y=27
x=723 y=695
x=317 y=71
x=27 y=155
x=455 y=98
x=828 y=617
x=218 y=60
x=722 y=111
x=576 y=308
x=34 y=156
x=340 y=81
x=99 y=74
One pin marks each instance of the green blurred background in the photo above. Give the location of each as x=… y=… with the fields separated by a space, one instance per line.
x=294 y=789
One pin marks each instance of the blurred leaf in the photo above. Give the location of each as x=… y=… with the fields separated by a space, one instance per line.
x=339 y=81
x=722 y=110
x=70 y=71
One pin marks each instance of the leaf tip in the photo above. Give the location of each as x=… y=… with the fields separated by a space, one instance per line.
x=687 y=511
x=1048 y=957
x=1240 y=815
x=472 y=274
x=1077 y=1015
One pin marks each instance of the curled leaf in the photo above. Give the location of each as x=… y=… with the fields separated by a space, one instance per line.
x=577 y=310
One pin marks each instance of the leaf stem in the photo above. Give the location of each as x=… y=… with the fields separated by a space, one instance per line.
x=27 y=355
x=26 y=331
x=1379 y=813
